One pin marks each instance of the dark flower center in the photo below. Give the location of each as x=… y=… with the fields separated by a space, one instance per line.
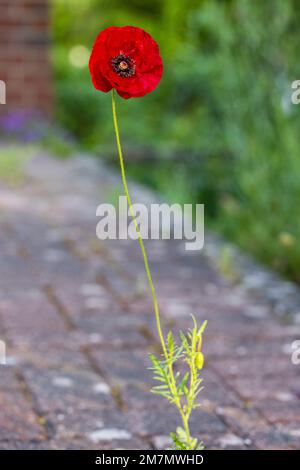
x=123 y=66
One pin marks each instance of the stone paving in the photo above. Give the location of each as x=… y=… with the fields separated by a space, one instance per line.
x=78 y=323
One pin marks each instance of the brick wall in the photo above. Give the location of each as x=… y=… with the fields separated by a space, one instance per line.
x=24 y=54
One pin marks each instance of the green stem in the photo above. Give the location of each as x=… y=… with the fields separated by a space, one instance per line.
x=185 y=421
x=184 y=415
x=149 y=276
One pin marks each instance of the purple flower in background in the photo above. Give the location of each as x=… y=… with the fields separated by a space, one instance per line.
x=13 y=121
x=31 y=126
x=23 y=125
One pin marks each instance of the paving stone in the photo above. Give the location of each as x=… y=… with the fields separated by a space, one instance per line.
x=253 y=389
x=18 y=420
x=276 y=440
x=257 y=366
x=280 y=411
x=57 y=390
x=77 y=302
x=78 y=321
x=30 y=318
x=164 y=419
x=232 y=441
x=125 y=366
x=245 y=422
x=118 y=331
x=8 y=379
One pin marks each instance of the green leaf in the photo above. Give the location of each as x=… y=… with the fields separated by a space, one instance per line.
x=186 y=391
x=194 y=443
x=170 y=342
x=178 y=444
x=164 y=394
x=200 y=446
x=198 y=391
x=177 y=354
x=160 y=387
x=154 y=360
x=181 y=433
x=202 y=327
x=183 y=382
x=158 y=378
x=194 y=321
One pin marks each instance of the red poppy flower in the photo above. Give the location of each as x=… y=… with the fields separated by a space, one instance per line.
x=126 y=59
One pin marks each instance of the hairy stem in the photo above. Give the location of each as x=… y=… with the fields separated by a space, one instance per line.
x=185 y=421
x=172 y=384
x=145 y=258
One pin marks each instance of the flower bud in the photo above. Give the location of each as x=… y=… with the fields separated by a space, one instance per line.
x=199 y=360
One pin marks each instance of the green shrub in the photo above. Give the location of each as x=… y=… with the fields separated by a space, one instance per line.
x=222 y=111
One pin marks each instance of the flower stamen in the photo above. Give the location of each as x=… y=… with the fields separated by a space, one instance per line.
x=123 y=66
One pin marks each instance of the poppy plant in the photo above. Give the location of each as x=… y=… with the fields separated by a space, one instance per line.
x=127 y=61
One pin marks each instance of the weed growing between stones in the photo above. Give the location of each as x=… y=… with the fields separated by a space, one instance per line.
x=181 y=389
x=134 y=73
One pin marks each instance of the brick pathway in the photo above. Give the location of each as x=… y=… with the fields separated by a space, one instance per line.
x=77 y=320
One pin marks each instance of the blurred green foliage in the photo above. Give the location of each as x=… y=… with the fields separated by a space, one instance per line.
x=221 y=125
